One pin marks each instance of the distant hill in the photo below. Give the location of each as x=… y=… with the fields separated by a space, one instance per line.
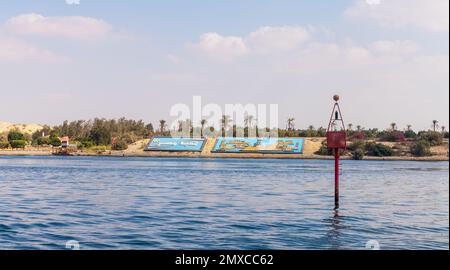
x=24 y=128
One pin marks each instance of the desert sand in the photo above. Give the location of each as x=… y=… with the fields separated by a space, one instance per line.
x=24 y=128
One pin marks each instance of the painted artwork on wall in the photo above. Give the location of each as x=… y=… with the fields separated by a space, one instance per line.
x=259 y=145
x=175 y=144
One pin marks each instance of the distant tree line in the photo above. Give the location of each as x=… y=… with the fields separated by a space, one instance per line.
x=119 y=133
x=113 y=133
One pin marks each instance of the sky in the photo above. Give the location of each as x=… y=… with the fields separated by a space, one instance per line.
x=80 y=59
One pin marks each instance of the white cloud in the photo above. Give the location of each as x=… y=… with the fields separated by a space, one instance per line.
x=73 y=2
x=270 y=39
x=220 y=47
x=266 y=39
x=73 y=27
x=398 y=47
x=317 y=57
x=421 y=14
x=293 y=41
x=15 y=50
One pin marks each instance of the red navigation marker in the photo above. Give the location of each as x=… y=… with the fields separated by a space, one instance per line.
x=336 y=140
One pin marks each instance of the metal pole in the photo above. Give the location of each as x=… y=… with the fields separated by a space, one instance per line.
x=336 y=178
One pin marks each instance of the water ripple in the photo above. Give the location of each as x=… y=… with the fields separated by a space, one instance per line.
x=148 y=203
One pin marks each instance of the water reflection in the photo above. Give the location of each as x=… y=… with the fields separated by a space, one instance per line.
x=334 y=232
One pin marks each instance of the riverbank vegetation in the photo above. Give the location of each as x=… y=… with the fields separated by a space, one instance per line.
x=116 y=134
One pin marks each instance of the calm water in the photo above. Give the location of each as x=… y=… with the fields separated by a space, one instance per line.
x=146 y=203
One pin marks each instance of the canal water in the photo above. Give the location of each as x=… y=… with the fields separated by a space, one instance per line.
x=150 y=203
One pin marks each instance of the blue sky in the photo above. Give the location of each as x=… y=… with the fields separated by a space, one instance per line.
x=138 y=58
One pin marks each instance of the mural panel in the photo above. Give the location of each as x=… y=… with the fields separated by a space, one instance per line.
x=259 y=145
x=175 y=144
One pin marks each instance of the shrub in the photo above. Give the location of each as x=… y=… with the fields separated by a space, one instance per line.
x=378 y=150
x=43 y=141
x=119 y=145
x=4 y=145
x=393 y=136
x=55 y=141
x=432 y=137
x=15 y=136
x=129 y=138
x=357 y=145
x=86 y=143
x=358 y=154
x=18 y=143
x=409 y=134
x=324 y=150
x=420 y=149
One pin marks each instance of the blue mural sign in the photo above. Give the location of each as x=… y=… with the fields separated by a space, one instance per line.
x=175 y=144
x=259 y=145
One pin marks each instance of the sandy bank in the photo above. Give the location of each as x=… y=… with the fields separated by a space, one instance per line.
x=24 y=128
x=25 y=153
x=310 y=147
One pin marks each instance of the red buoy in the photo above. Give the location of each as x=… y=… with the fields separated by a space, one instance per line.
x=336 y=140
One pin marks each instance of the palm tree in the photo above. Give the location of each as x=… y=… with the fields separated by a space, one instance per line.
x=358 y=127
x=291 y=123
x=249 y=121
x=443 y=129
x=162 y=126
x=189 y=126
x=203 y=123
x=408 y=127
x=394 y=126
x=350 y=127
x=225 y=123
x=435 y=125
x=311 y=128
x=180 y=125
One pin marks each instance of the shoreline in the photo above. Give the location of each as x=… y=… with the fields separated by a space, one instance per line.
x=311 y=146
x=125 y=154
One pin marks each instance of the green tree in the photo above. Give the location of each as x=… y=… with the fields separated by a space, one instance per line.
x=435 y=125
x=203 y=124
x=291 y=123
x=433 y=138
x=44 y=141
x=18 y=144
x=15 y=136
x=4 y=144
x=87 y=143
x=101 y=132
x=358 y=154
x=378 y=150
x=162 y=126
x=55 y=141
x=225 y=121
x=420 y=149
x=149 y=128
x=393 y=126
x=119 y=145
